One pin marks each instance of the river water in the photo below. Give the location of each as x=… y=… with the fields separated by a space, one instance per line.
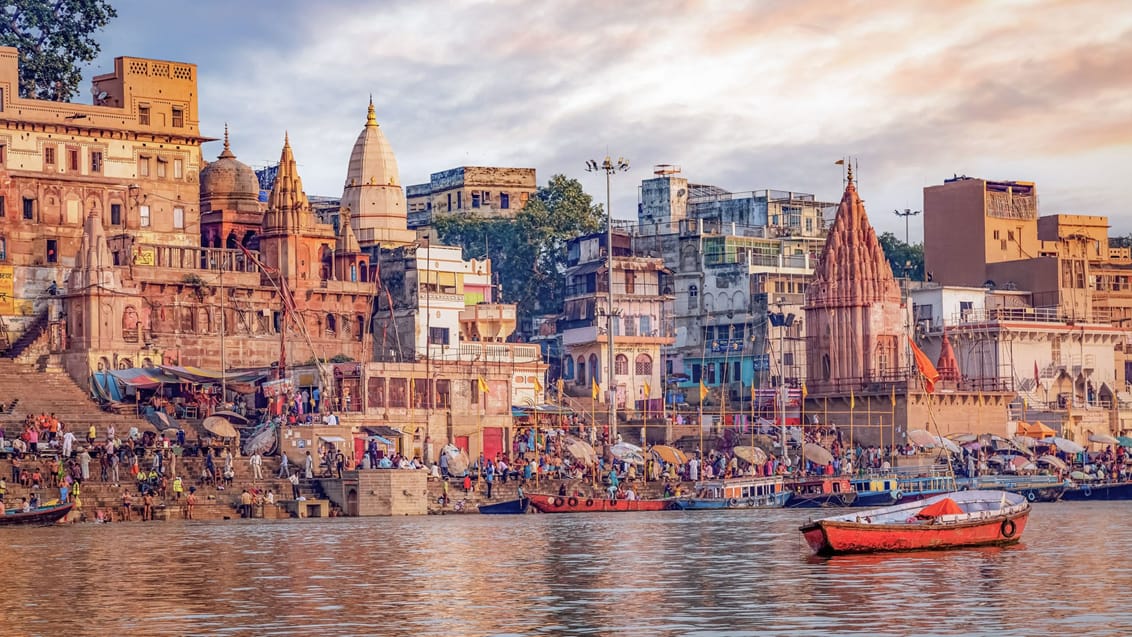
x=670 y=573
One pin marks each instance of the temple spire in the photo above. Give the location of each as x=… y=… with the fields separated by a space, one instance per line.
x=371 y=115
x=227 y=152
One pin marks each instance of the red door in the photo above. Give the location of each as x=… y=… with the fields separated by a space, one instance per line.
x=492 y=442
x=462 y=443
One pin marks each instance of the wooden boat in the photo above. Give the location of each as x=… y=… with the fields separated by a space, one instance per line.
x=1099 y=491
x=876 y=491
x=749 y=492
x=938 y=481
x=38 y=516
x=1035 y=488
x=511 y=507
x=952 y=520
x=573 y=504
x=823 y=491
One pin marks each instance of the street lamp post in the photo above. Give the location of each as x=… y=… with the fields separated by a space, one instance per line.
x=782 y=321
x=908 y=212
x=608 y=166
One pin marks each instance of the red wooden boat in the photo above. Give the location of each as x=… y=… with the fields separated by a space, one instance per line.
x=573 y=504
x=43 y=515
x=950 y=520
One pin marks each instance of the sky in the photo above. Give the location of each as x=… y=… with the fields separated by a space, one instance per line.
x=745 y=95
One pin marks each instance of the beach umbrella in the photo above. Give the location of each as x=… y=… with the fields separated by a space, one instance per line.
x=1063 y=444
x=231 y=415
x=219 y=427
x=668 y=454
x=963 y=438
x=1103 y=439
x=1124 y=441
x=750 y=454
x=1053 y=461
x=816 y=453
x=1025 y=441
x=922 y=438
x=623 y=449
x=580 y=450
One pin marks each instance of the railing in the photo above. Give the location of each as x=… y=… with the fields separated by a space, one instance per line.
x=180 y=257
x=1031 y=314
x=472 y=352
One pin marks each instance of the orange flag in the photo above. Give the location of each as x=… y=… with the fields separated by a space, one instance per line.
x=928 y=371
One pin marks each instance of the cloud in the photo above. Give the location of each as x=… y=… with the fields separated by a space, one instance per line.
x=745 y=95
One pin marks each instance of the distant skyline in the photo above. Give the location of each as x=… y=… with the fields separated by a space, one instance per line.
x=742 y=95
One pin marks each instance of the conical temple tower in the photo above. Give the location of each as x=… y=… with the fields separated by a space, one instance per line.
x=855 y=320
x=373 y=189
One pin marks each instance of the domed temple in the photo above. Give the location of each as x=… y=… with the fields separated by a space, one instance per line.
x=373 y=193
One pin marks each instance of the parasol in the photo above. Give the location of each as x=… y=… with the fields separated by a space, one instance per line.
x=1025 y=441
x=580 y=450
x=623 y=449
x=947 y=444
x=816 y=453
x=963 y=438
x=231 y=415
x=922 y=438
x=668 y=454
x=219 y=427
x=750 y=454
x=1103 y=439
x=1124 y=441
x=1054 y=462
x=1063 y=444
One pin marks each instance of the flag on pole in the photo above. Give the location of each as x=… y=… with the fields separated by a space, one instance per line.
x=595 y=389
x=805 y=392
x=647 y=389
x=839 y=162
x=927 y=371
x=703 y=391
x=538 y=386
x=1037 y=376
x=483 y=386
x=852 y=399
x=892 y=397
x=561 y=384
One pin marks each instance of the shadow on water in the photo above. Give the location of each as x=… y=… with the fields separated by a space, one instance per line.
x=670 y=573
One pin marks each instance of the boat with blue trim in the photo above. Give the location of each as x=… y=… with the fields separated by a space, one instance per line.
x=747 y=492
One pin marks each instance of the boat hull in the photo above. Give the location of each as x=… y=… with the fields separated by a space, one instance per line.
x=872 y=499
x=570 y=504
x=839 y=538
x=1114 y=491
x=40 y=516
x=715 y=504
x=511 y=507
x=821 y=500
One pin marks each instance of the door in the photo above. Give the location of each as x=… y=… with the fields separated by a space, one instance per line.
x=462 y=443
x=492 y=442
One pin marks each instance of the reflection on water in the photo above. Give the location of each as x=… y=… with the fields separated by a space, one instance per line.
x=671 y=573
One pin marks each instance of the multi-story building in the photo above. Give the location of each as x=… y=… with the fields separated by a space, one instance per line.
x=640 y=322
x=480 y=191
x=132 y=158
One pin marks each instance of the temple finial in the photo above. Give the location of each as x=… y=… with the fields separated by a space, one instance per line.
x=371 y=116
x=286 y=138
x=227 y=152
x=849 y=167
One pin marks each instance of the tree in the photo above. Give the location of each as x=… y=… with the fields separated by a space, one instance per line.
x=528 y=253
x=906 y=260
x=55 y=39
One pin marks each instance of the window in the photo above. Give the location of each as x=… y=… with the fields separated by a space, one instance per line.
x=475 y=391
x=143 y=115
x=697 y=371
x=450 y=201
x=3 y=208
x=178 y=117
x=621 y=365
x=178 y=217
x=475 y=199
x=143 y=166
x=49 y=155
x=143 y=216
x=459 y=201
x=115 y=214
x=95 y=161
x=52 y=251
x=504 y=200
x=643 y=365
x=1 y=100
x=646 y=325
x=178 y=169
x=73 y=159
x=630 y=282
x=523 y=196
x=788 y=359
x=29 y=208
x=1010 y=235
x=3 y=154
x=3 y=249
x=996 y=235
x=580 y=379
x=438 y=336
x=595 y=371
x=568 y=368
x=161 y=163
x=1002 y=245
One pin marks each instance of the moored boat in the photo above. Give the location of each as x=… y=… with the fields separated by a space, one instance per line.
x=575 y=504
x=1099 y=491
x=876 y=491
x=41 y=515
x=825 y=491
x=1035 y=488
x=951 y=520
x=510 y=507
x=748 y=492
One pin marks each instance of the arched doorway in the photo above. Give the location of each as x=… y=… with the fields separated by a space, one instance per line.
x=352 y=503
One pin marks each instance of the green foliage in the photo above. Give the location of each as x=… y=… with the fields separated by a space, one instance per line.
x=528 y=253
x=337 y=358
x=906 y=260
x=55 y=38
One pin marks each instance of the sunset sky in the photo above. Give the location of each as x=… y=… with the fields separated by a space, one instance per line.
x=742 y=95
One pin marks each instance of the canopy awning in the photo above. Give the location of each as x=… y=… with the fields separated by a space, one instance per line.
x=381 y=431
x=332 y=439
x=669 y=454
x=143 y=377
x=202 y=375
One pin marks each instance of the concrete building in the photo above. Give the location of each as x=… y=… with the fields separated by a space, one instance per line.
x=641 y=325
x=132 y=158
x=481 y=191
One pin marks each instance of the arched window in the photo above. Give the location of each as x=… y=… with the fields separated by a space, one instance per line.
x=825 y=366
x=364 y=271
x=693 y=297
x=595 y=369
x=361 y=320
x=643 y=366
x=581 y=379
x=331 y=324
x=621 y=365
x=568 y=368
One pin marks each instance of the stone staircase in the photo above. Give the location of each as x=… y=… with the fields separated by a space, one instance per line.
x=53 y=391
x=35 y=333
